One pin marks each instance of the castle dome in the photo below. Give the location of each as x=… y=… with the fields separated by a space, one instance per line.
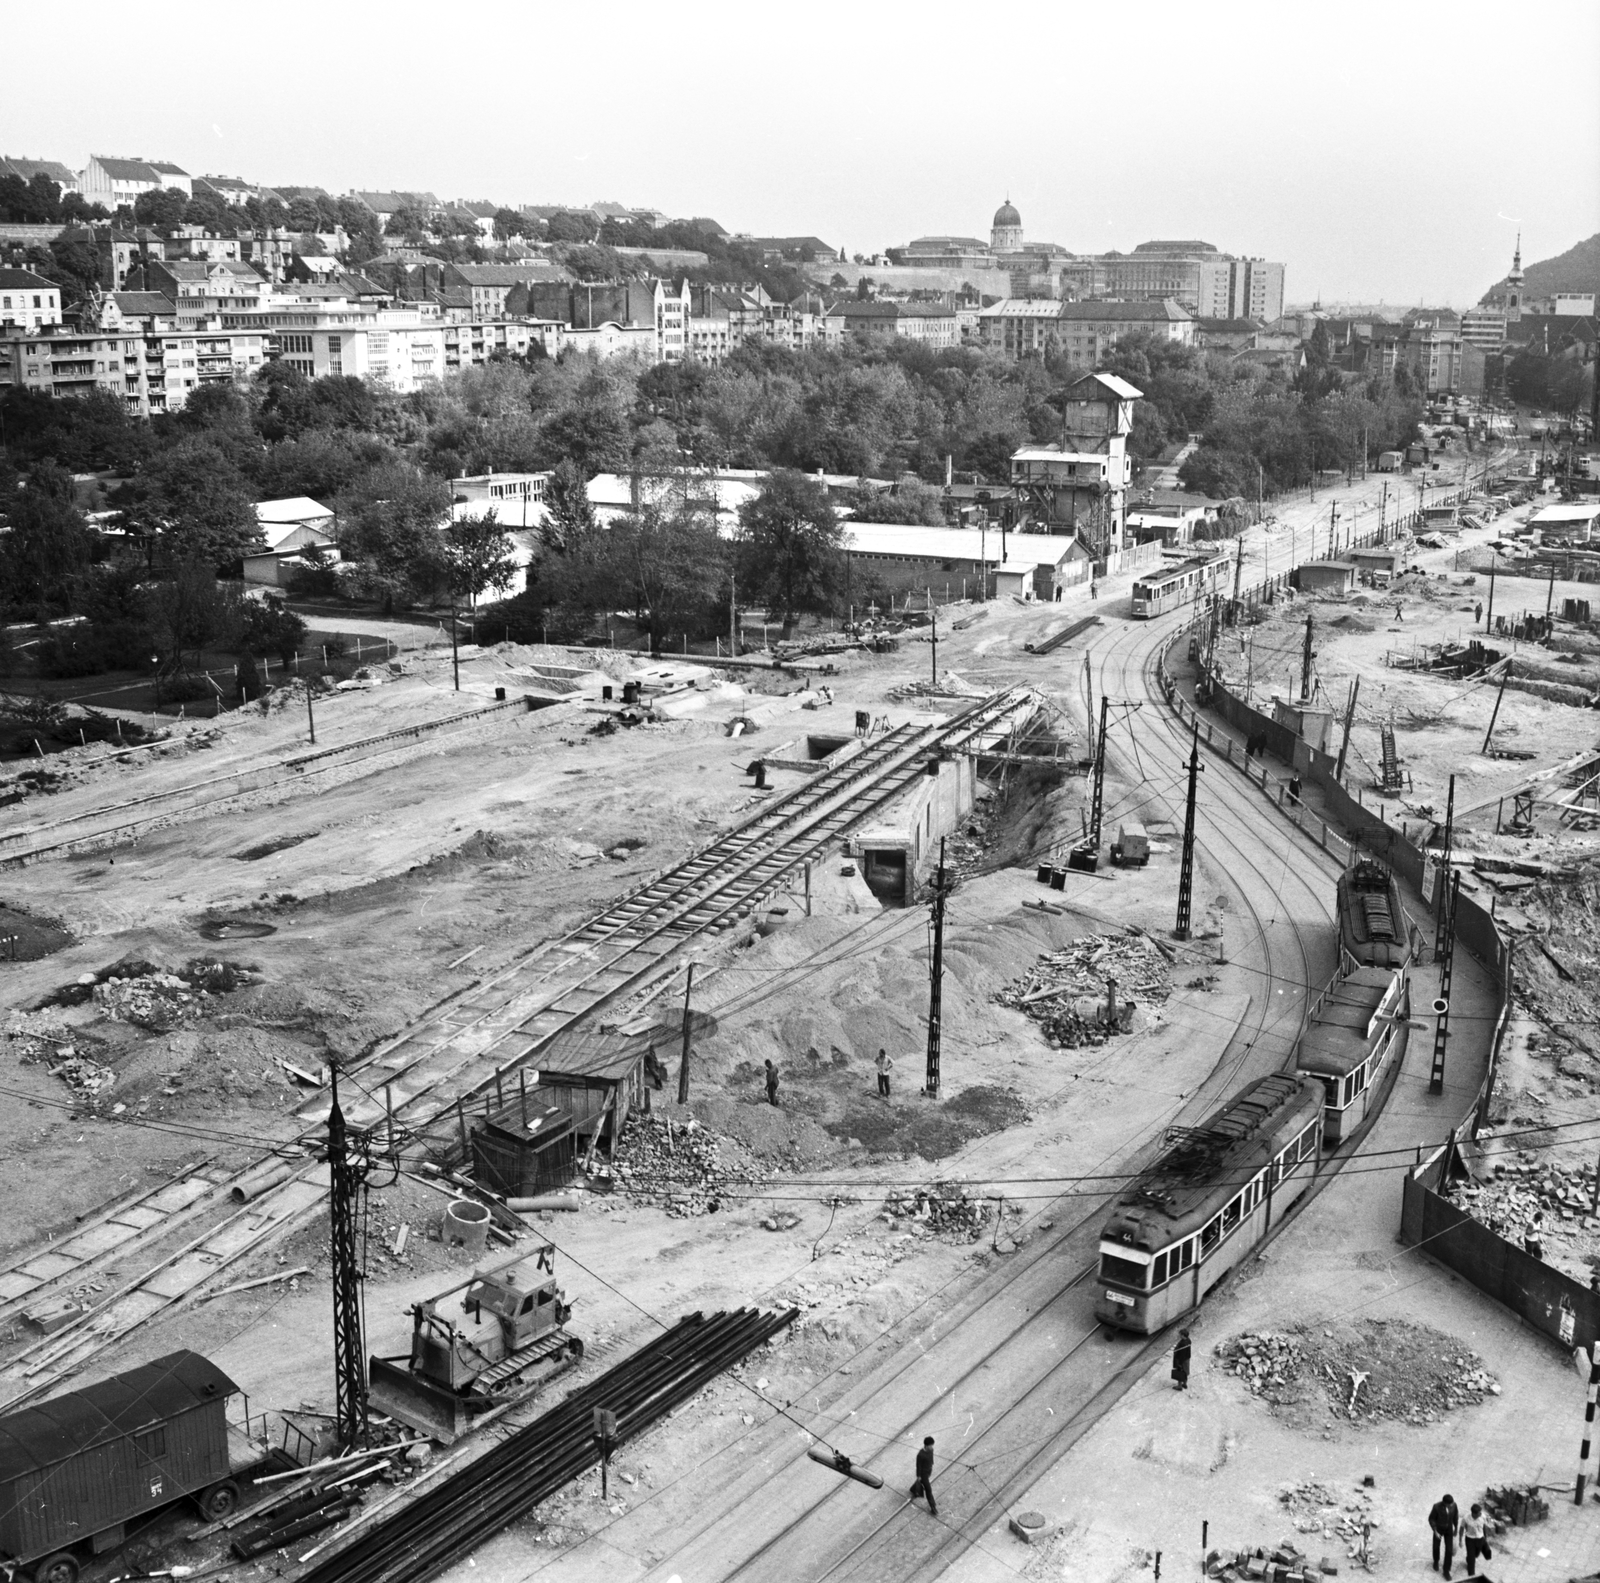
x=1007 y=215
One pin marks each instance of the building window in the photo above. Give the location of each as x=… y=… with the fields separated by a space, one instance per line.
x=152 y=1444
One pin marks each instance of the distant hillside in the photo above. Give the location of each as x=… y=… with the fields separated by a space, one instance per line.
x=1578 y=269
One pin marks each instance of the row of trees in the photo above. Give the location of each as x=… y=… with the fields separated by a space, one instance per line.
x=40 y=201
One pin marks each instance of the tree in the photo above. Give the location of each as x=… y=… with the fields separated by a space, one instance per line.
x=669 y=563
x=1569 y=386
x=47 y=546
x=76 y=265
x=215 y=213
x=791 y=546
x=161 y=208
x=509 y=223
x=567 y=227
x=592 y=432
x=389 y=525
x=304 y=214
x=269 y=626
x=566 y=499
x=205 y=503
x=478 y=555
x=910 y=501
x=190 y=612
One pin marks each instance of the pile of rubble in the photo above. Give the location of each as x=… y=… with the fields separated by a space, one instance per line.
x=677 y=1166
x=1285 y=1564
x=1070 y=992
x=1539 y=1202
x=1265 y=1362
x=944 y=1208
x=1316 y=1509
x=1519 y=1504
x=148 y=996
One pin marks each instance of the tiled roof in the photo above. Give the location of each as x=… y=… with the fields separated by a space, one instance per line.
x=25 y=280
x=128 y=169
x=139 y=304
x=27 y=169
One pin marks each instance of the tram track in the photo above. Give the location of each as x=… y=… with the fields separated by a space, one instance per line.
x=979 y=1334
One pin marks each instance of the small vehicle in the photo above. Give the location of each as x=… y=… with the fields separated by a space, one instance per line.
x=1131 y=849
x=457 y=1371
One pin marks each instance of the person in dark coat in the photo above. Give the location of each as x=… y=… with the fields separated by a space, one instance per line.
x=1444 y=1519
x=924 y=1484
x=1180 y=1361
x=772 y=1084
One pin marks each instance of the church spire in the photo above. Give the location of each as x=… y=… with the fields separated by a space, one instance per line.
x=1514 y=284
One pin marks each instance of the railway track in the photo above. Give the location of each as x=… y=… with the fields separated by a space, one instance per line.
x=467 y=1045
x=424 y=1536
x=1031 y=1321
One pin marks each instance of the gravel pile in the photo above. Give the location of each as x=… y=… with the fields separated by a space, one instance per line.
x=1377 y=1371
x=1067 y=991
x=680 y=1167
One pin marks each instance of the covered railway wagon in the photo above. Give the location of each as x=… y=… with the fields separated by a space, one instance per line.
x=1355 y=1031
x=77 y=1469
x=1207 y=1202
x=1189 y=580
x=1373 y=926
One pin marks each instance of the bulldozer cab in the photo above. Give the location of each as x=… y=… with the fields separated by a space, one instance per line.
x=524 y=1305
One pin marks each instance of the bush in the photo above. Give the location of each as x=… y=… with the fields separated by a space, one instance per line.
x=89 y=649
x=184 y=689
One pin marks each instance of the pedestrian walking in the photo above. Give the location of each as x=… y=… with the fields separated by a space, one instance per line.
x=1180 y=1361
x=1294 y=788
x=924 y=1484
x=1399 y=614
x=772 y=1084
x=1475 y=1538
x=885 y=1067
x=1094 y=589
x=1444 y=1519
x=1477 y=613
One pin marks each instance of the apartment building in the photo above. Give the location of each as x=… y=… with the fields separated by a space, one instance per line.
x=1209 y=284
x=27 y=169
x=932 y=323
x=115 y=182
x=152 y=365
x=28 y=301
x=484 y=341
x=1083 y=331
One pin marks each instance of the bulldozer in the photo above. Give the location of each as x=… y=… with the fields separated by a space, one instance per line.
x=512 y=1340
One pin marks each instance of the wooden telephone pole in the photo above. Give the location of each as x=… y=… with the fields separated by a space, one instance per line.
x=941 y=894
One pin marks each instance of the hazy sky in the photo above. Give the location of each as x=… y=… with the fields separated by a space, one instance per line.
x=1380 y=150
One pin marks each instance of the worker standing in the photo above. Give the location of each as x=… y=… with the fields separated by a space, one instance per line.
x=1477 y=613
x=1094 y=589
x=772 y=1084
x=924 y=1484
x=1180 y=1361
x=885 y=1067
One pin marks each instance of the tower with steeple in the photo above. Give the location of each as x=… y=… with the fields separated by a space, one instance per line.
x=1514 y=285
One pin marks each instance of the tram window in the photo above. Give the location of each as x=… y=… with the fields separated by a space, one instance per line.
x=1211 y=1236
x=1350 y=1088
x=1185 y=1255
x=1158 y=1271
x=1123 y=1270
x=1230 y=1216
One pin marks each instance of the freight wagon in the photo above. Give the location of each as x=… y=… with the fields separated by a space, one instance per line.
x=1208 y=1200
x=1353 y=1034
x=1177 y=585
x=77 y=1470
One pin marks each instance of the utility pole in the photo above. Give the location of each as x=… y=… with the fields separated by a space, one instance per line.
x=1444 y=870
x=941 y=892
x=933 y=633
x=1186 y=873
x=1494 y=714
x=1333 y=529
x=1092 y=841
x=1305 y=665
x=683 y=1059
x=733 y=614
x=310 y=713
x=1488 y=614
x=1088 y=697
x=1238 y=572
x=346 y=1178
x=455 y=655
x=1445 y=956
x=1550 y=593
x=1349 y=720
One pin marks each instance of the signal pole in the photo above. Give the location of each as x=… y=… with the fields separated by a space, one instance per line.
x=1186 y=873
x=1445 y=956
x=1305 y=665
x=1439 y=945
x=347 y=1176
x=1092 y=840
x=941 y=892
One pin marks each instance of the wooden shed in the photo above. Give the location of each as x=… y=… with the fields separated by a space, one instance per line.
x=1326 y=577
x=525 y=1148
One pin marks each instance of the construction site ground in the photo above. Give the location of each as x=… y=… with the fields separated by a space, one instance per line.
x=397 y=883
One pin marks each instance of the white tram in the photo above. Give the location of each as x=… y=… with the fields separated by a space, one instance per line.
x=1195 y=578
x=1353 y=1034
x=1207 y=1202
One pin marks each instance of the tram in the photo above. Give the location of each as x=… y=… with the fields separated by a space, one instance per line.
x=1373 y=927
x=1195 y=578
x=1353 y=1034
x=1210 y=1198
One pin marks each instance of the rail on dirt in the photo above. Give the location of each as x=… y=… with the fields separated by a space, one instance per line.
x=417 y=1539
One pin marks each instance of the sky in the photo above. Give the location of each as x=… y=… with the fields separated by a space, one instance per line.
x=1383 y=152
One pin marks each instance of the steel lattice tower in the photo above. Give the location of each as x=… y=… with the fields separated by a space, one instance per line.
x=347 y=1175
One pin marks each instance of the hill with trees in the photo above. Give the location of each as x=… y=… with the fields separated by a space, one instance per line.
x=1578 y=269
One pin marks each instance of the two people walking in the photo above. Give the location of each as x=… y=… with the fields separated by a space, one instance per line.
x=1448 y=1524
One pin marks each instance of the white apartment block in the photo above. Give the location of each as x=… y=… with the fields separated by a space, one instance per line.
x=28 y=301
x=114 y=182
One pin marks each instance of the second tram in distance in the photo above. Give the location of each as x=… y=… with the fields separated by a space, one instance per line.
x=1183 y=584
